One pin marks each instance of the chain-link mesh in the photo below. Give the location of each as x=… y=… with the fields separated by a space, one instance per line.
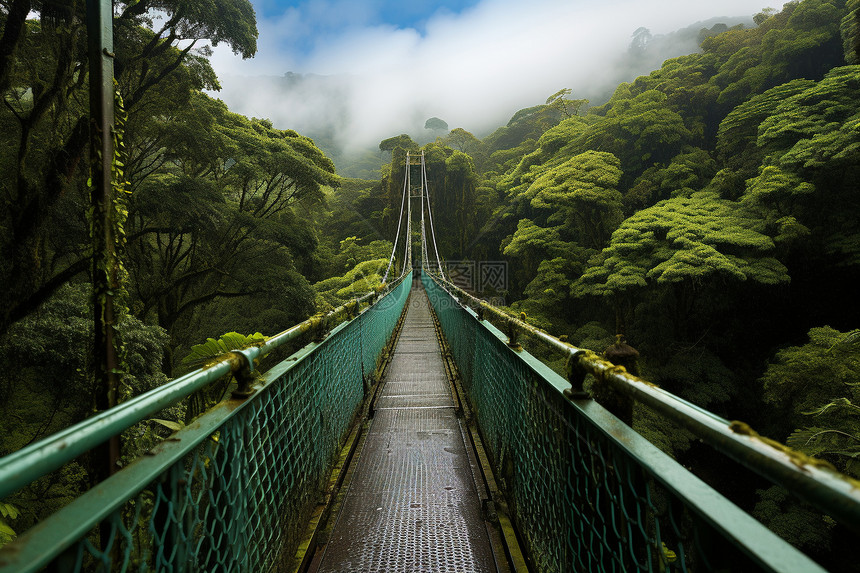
x=241 y=497
x=586 y=492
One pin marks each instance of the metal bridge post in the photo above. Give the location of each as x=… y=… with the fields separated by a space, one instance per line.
x=576 y=377
x=100 y=43
x=104 y=264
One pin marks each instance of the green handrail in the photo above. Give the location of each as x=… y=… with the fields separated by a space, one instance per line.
x=830 y=491
x=32 y=462
x=155 y=504
x=588 y=492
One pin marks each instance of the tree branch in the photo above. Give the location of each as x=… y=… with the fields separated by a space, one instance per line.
x=41 y=294
x=16 y=21
x=213 y=296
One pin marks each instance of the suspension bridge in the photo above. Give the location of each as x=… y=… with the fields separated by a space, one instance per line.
x=412 y=432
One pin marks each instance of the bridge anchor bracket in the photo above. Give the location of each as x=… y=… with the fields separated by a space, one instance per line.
x=576 y=377
x=242 y=367
x=513 y=332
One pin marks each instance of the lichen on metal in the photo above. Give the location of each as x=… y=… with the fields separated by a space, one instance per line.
x=833 y=493
x=586 y=492
x=232 y=490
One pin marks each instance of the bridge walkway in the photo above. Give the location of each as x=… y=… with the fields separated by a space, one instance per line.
x=412 y=503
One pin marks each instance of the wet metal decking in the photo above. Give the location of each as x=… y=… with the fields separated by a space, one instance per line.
x=412 y=503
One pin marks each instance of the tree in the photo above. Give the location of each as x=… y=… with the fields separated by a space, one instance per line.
x=641 y=37
x=45 y=387
x=462 y=140
x=830 y=357
x=640 y=130
x=737 y=137
x=562 y=104
x=810 y=145
x=850 y=30
x=45 y=117
x=223 y=226
x=436 y=124
x=689 y=171
x=532 y=244
x=582 y=190
x=401 y=141
x=814 y=402
x=682 y=244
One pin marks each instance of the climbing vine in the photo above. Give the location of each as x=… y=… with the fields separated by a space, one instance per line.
x=109 y=243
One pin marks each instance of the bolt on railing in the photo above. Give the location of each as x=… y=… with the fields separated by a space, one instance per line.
x=36 y=460
x=811 y=479
x=180 y=506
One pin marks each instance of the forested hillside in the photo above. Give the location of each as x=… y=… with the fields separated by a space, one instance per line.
x=216 y=215
x=708 y=212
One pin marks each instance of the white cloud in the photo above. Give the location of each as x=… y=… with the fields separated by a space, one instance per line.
x=473 y=69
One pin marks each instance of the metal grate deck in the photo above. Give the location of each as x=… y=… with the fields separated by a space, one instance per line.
x=412 y=504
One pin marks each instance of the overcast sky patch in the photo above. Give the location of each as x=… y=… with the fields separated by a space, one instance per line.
x=387 y=66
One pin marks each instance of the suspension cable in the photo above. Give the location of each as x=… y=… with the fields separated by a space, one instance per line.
x=399 y=221
x=430 y=215
x=408 y=251
x=423 y=233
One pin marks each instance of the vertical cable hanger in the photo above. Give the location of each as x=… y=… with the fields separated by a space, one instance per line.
x=430 y=215
x=408 y=253
x=423 y=233
x=399 y=221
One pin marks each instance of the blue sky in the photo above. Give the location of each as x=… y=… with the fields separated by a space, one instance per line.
x=388 y=65
x=401 y=13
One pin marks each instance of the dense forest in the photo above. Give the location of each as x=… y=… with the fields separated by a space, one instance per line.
x=707 y=211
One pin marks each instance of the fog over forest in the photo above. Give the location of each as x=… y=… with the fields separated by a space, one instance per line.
x=333 y=70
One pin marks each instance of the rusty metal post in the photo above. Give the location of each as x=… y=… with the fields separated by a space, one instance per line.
x=100 y=44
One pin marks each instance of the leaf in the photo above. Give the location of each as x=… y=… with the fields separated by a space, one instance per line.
x=838 y=403
x=213 y=349
x=9 y=510
x=169 y=424
x=6 y=530
x=849 y=338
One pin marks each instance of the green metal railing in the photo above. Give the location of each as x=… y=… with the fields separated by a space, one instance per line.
x=590 y=494
x=233 y=490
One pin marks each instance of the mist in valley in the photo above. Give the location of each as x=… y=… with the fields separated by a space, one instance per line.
x=331 y=71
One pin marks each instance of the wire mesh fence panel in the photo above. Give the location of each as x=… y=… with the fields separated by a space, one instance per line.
x=233 y=490
x=586 y=492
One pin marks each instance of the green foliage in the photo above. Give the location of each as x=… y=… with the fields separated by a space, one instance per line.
x=798 y=524
x=802 y=128
x=697 y=375
x=689 y=171
x=738 y=132
x=684 y=239
x=8 y=512
x=402 y=141
x=533 y=243
x=364 y=277
x=225 y=220
x=823 y=417
x=436 y=124
x=547 y=293
x=850 y=30
x=802 y=41
x=583 y=190
x=640 y=129
x=215 y=349
x=364 y=266
x=567 y=107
